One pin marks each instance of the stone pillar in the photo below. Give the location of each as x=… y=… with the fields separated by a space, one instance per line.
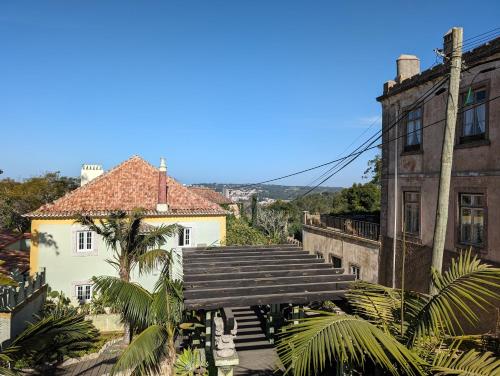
x=295 y=314
x=272 y=318
x=208 y=331
x=305 y=214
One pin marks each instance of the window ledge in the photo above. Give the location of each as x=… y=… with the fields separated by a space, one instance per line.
x=415 y=239
x=412 y=152
x=472 y=144
x=480 y=250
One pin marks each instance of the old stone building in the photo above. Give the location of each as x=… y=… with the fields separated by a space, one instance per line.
x=349 y=242
x=411 y=164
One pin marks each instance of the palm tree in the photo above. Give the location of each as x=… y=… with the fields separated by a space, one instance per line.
x=48 y=342
x=402 y=332
x=156 y=316
x=133 y=242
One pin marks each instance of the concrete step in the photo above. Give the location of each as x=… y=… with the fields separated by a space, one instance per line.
x=250 y=337
x=243 y=313
x=255 y=345
x=246 y=318
x=249 y=330
x=248 y=324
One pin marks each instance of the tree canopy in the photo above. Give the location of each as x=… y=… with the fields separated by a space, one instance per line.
x=21 y=197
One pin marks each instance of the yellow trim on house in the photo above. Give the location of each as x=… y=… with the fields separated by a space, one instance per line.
x=35 y=225
x=221 y=219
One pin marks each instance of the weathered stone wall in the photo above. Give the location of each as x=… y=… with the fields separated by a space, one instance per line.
x=417 y=278
x=351 y=249
x=107 y=323
x=476 y=166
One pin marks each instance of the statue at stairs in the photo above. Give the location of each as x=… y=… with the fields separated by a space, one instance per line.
x=224 y=339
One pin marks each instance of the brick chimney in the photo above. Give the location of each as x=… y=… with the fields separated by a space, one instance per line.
x=162 y=205
x=407 y=66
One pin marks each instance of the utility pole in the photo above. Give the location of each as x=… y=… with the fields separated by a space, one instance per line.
x=453 y=51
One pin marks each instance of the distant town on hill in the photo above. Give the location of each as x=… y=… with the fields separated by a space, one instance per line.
x=264 y=192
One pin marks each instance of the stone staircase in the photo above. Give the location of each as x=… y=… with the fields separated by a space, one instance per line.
x=250 y=334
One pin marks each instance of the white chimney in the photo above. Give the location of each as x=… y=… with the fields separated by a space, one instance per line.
x=90 y=172
x=407 y=66
x=162 y=205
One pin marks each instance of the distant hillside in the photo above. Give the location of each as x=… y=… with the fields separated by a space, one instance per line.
x=276 y=192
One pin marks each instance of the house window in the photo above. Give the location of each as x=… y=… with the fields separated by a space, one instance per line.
x=185 y=237
x=83 y=293
x=85 y=241
x=471 y=219
x=355 y=270
x=473 y=115
x=413 y=139
x=411 y=212
x=336 y=261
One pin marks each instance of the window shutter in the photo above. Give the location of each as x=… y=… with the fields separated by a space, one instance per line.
x=191 y=237
x=95 y=240
x=74 y=238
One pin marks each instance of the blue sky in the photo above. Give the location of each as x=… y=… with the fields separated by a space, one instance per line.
x=227 y=91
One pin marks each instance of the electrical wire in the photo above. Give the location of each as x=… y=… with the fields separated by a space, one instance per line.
x=394 y=139
x=355 y=153
x=310 y=184
x=419 y=102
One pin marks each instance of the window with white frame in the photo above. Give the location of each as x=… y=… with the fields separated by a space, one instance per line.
x=83 y=292
x=84 y=241
x=355 y=270
x=185 y=237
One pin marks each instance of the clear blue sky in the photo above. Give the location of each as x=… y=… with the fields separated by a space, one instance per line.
x=227 y=91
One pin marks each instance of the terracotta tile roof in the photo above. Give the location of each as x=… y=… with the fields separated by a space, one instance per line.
x=7 y=238
x=130 y=185
x=14 y=261
x=211 y=195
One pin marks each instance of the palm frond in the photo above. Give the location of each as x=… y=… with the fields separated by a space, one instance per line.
x=153 y=260
x=168 y=304
x=471 y=363
x=143 y=355
x=378 y=304
x=8 y=372
x=316 y=342
x=54 y=337
x=468 y=284
x=133 y=301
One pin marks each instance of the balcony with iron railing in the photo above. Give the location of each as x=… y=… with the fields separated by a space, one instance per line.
x=366 y=229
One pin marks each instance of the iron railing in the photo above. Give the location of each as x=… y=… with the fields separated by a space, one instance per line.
x=363 y=229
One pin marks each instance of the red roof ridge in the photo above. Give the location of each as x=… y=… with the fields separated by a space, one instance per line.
x=92 y=182
x=207 y=201
x=125 y=187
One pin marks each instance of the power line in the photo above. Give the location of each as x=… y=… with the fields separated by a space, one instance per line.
x=391 y=140
x=478 y=35
x=421 y=101
x=355 y=153
x=345 y=150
